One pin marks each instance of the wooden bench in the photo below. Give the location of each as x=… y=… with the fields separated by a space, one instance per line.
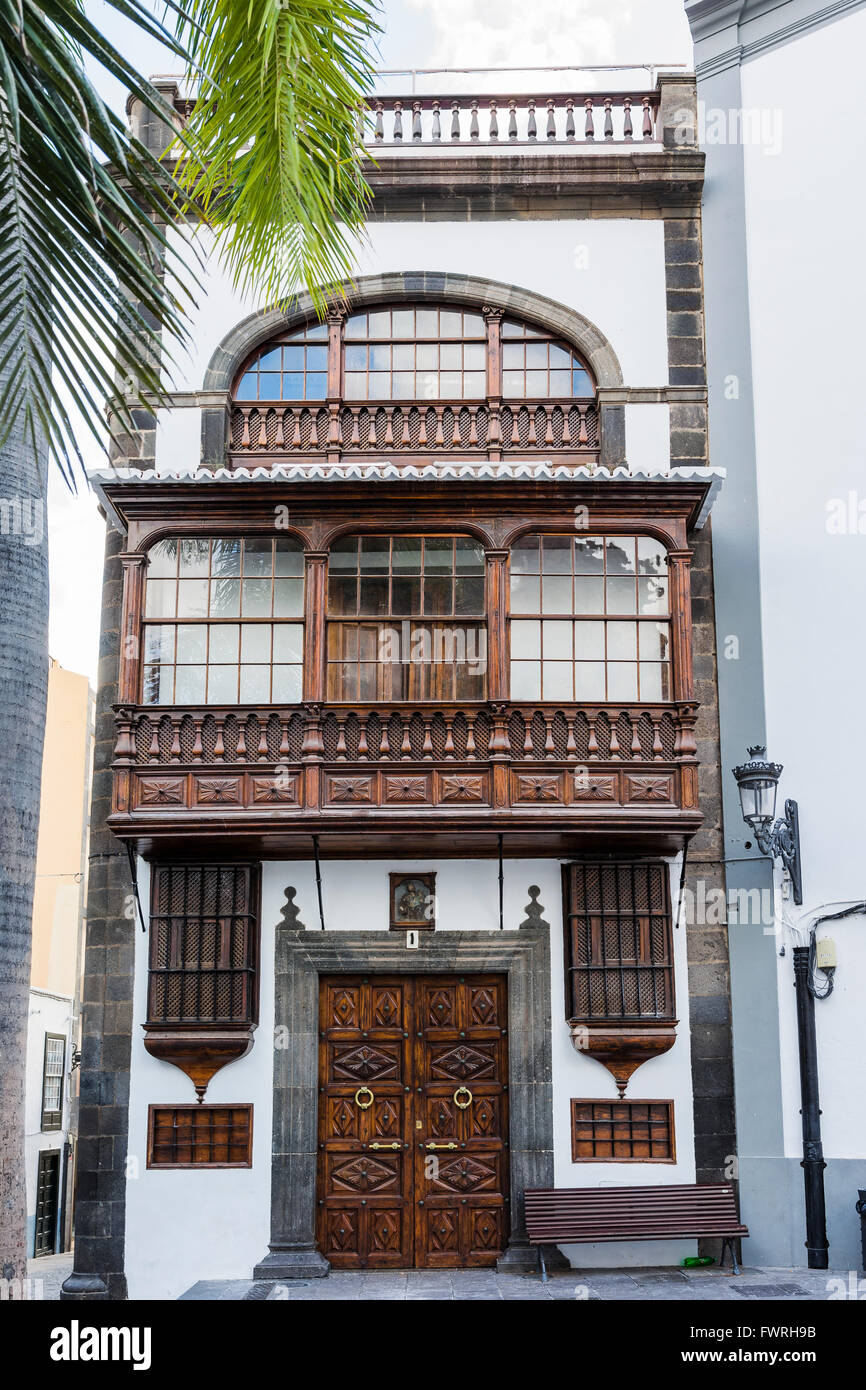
x=580 y=1215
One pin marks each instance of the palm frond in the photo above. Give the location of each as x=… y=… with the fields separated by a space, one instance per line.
x=275 y=159
x=83 y=246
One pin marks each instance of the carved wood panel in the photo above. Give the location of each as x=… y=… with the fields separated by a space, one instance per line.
x=408 y=1063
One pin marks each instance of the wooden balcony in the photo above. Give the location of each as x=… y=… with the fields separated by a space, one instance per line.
x=269 y=431
x=391 y=778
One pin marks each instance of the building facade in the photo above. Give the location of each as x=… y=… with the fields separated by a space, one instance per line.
x=788 y=563
x=408 y=718
x=58 y=945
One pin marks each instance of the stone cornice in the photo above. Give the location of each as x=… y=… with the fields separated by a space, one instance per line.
x=790 y=19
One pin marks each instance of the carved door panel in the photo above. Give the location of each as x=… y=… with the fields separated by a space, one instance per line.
x=365 y=1154
x=413 y=1121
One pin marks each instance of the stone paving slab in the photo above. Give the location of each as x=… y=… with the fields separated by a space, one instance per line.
x=636 y=1285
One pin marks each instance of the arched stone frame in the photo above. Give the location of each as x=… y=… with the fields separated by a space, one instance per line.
x=300 y=957
x=470 y=291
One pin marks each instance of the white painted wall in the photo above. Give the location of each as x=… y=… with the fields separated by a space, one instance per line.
x=183 y=1226
x=48 y=1013
x=805 y=210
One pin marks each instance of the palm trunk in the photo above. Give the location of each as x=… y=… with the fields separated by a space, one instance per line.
x=23 y=699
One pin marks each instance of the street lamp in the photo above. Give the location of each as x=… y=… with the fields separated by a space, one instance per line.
x=758 y=782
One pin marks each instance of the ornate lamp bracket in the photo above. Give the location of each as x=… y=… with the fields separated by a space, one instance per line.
x=783 y=842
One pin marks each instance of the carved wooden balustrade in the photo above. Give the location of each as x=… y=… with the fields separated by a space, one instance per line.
x=473 y=428
x=312 y=763
x=564 y=119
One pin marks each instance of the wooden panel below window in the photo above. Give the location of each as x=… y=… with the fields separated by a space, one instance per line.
x=622 y=1131
x=200 y=1136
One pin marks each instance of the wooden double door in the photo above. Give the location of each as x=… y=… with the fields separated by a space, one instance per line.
x=413 y=1121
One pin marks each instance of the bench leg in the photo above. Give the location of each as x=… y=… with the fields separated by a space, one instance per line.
x=730 y=1245
x=542 y=1265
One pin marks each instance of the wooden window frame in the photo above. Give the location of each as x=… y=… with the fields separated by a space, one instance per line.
x=625 y=1107
x=52 y=1120
x=194 y=1111
x=251 y=971
x=573 y=969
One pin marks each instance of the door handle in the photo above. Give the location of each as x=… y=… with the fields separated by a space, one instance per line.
x=395 y=1145
x=441 y=1146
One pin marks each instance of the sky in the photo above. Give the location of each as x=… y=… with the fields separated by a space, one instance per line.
x=468 y=34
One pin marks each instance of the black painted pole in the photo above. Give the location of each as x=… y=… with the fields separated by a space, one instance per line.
x=813 y=1153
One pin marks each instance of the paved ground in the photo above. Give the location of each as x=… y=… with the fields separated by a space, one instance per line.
x=788 y=1285
x=47 y=1274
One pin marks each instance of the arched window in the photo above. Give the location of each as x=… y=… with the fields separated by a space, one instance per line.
x=223 y=621
x=420 y=353
x=590 y=619
x=406 y=619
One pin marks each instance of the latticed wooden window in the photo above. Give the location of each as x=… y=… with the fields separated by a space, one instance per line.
x=203 y=944
x=622 y=1131
x=618 y=941
x=52 y=1081
x=200 y=1136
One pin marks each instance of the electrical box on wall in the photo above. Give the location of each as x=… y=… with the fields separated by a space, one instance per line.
x=825 y=953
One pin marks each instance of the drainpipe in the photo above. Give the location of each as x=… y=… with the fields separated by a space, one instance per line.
x=813 y=1150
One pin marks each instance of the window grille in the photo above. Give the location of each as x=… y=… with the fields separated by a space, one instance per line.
x=200 y=1136
x=622 y=1131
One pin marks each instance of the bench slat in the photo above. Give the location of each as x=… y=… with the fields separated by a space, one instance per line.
x=601 y=1214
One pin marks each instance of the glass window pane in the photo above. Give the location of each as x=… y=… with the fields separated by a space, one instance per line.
x=317 y=359
x=256 y=598
x=556 y=595
x=162 y=559
x=288 y=557
x=588 y=595
x=427 y=386
x=559 y=356
x=288 y=642
x=589 y=641
x=270 y=388
x=317 y=386
x=474 y=385
x=272 y=360
x=342 y=595
x=192 y=598
x=287 y=685
x=380 y=358
x=288 y=598
x=247 y=387
x=621 y=680
x=404 y=386
x=475 y=357
x=406 y=596
x=469 y=596
x=316 y=330
x=651 y=556
x=438 y=555
x=581 y=383
x=653 y=595
x=379 y=324
x=225 y=555
x=558 y=680
x=438 y=596
x=450 y=385
x=256 y=642
x=191 y=642
x=403 y=357
x=159 y=643
x=293 y=359
x=293 y=386
x=343 y=555
x=588 y=555
x=557 y=638
x=255 y=685
x=589 y=680
x=526 y=639
x=158 y=685
x=403 y=323
x=536 y=384
x=375 y=553
x=621 y=596
x=356 y=358
x=621 y=641
x=224 y=642
x=426 y=323
x=560 y=384
x=526 y=556
x=536 y=354
x=194 y=556
x=356 y=326
x=654 y=640
x=451 y=356
x=190 y=685
x=469 y=556
x=225 y=598
x=510 y=329
x=427 y=357
x=222 y=685
x=374 y=596
x=556 y=554
x=160 y=598
x=620 y=554
x=512 y=355
x=356 y=386
x=655 y=680
x=407 y=555
x=513 y=385
x=526 y=680
x=525 y=594
x=474 y=326
x=258 y=555
x=450 y=324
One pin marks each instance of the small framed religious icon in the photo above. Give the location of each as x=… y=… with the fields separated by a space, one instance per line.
x=413 y=902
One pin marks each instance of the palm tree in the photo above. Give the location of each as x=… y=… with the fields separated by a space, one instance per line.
x=91 y=288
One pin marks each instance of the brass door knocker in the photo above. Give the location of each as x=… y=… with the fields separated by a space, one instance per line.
x=463 y=1104
x=364 y=1104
